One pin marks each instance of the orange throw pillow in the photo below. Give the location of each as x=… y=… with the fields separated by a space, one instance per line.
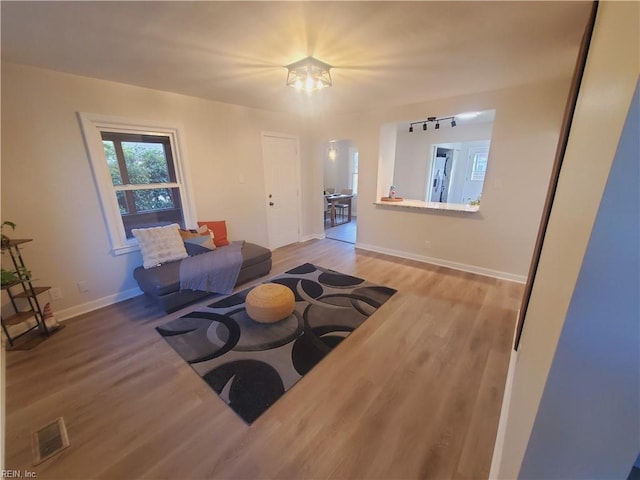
x=219 y=230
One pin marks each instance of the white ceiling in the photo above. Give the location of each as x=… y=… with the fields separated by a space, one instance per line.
x=384 y=53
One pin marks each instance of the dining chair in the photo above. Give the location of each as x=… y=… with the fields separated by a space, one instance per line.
x=327 y=210
x=341 y=208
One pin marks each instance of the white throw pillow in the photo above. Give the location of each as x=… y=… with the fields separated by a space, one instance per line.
x=160 y=244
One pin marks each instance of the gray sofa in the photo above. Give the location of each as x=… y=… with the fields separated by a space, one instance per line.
x=162 y=283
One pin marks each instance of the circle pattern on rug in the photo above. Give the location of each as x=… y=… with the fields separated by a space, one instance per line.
x=251 y=364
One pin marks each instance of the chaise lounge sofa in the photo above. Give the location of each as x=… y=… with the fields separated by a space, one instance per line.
x=162 y=283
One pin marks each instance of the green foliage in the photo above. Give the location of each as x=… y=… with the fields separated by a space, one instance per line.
x=4 y=240
x=145 y=164
x=8 y=277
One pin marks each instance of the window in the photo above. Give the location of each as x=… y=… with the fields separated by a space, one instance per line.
x=139 y=176
x=354 y=174
x=144 y=179
x=479 y=166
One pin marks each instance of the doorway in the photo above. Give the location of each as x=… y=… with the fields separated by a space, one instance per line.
x=282 y=186
x=341 y=164
x=440 y=177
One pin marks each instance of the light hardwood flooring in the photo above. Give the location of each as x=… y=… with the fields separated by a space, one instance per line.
x=345 y=232
x=415 y=392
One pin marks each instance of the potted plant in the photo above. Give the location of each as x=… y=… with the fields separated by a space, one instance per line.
x=7 y=277
x=21 y=274
x=5 y=240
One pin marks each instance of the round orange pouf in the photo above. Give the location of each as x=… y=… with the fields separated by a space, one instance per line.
x=270 y=302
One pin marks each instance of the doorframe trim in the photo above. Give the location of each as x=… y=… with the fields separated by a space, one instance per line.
x=296 y=138
x=563 y=140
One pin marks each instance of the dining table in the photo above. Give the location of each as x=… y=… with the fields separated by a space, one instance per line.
x=332 y=200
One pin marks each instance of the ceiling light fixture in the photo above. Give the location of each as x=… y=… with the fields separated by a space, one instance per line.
x=432 y=119
x=309 y=74
x=333 y=153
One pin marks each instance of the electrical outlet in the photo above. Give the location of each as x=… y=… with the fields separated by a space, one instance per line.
x=82 y=286
x=427 y=244
x=55 y=293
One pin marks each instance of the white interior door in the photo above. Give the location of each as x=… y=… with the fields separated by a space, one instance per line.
x=282 y=188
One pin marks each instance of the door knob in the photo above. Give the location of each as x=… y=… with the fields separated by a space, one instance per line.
x=271 y=204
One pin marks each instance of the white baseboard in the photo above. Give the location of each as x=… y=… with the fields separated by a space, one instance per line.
x=315 y=236
x=487 y=272
x=498 y=448
x=76 y=310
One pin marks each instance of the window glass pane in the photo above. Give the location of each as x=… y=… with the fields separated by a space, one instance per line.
x=479 y=166
x=153 y=199
x=146 y=162
x=153 y=208
x=122 y=203
x=112 y=161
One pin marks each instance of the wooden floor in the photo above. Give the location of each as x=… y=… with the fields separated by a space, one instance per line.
x=415 y=392
x=345 y=232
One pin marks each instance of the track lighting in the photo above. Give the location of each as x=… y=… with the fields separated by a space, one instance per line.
x=432 y=119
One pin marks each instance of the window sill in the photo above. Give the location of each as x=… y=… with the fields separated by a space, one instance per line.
x=422 y=205
x=124 y=249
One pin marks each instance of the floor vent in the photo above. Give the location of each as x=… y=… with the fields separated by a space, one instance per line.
x=49 y=440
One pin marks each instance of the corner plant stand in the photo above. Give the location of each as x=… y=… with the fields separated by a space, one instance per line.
x=23 y=291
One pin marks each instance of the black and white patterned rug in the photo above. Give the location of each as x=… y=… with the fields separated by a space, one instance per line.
x=249 y=364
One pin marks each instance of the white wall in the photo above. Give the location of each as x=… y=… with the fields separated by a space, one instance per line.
x=49 y=192
x=605 y=96
x=336 y=172
x=593 y=388
x=499 y=239
x=43 y=154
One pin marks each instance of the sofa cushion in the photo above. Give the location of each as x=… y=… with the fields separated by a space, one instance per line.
x=165 y=278
x=160 y=244
x=198 y=240
x=219 y=229
x=253 y=254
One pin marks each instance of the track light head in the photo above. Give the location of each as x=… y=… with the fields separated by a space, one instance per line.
x=424 y=126
x=453 y=122
x=410 y=128
x=437 y=125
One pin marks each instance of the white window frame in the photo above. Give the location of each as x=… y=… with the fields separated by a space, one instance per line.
x=476 y=175
x=355 y=159
x=92 y=126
